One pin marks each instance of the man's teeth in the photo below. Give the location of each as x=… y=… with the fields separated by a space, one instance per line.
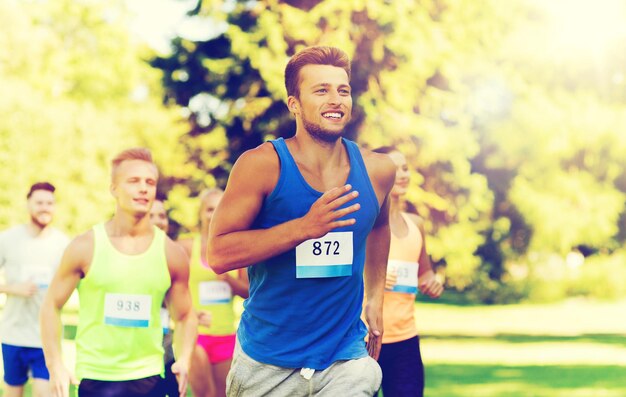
x=332 y=115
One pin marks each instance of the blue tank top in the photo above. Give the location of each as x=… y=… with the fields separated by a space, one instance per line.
x=306 y=313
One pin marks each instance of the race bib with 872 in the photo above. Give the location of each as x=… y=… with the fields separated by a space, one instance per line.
x=126 y=310
x=328 y=256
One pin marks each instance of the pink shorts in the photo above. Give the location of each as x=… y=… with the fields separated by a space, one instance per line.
x=217 y=347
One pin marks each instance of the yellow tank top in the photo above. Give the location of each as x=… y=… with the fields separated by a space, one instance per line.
x=119 y=326
x=398 y=307
x=210 y=294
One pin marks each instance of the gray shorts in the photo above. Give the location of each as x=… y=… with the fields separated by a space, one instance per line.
x=250 y=378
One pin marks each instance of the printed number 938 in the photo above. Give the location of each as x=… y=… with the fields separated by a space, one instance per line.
x=128 y=306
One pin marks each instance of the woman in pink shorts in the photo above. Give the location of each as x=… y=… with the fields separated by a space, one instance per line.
x=212 y=296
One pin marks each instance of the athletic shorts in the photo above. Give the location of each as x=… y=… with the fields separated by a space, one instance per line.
x=19 y=360
x=145 y=387
x=247 y=377
x=170 y=384
x=217 y=347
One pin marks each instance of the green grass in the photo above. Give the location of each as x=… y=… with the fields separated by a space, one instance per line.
x=575 y=348
x=449 y=380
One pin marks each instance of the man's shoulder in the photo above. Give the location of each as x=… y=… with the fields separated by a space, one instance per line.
x=176 y=256
x=264 y=153
x=177 y=247
x=256 y=169
x=187 y=241
x=9 y=237
x=84 y=242
x=371 y=156
x=379 y=165
x=80 y=250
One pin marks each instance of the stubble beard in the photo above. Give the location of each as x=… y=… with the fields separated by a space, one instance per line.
x=320 y=133
x=35 y=221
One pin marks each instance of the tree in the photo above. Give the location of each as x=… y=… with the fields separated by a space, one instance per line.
x=75 y=92
x=404 y=82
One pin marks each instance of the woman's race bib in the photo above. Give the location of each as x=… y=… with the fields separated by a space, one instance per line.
x=214 y=292
x=406 y=273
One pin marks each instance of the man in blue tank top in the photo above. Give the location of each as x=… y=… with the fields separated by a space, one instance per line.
x=308 y=216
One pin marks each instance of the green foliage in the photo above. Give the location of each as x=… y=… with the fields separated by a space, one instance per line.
x=516 y=150
x=75 y=92
x=601 y=276
x=487 y=290
x=567 y=166
x=550 y=277
x=405 y=85
x=551 y=149
x=567 y=209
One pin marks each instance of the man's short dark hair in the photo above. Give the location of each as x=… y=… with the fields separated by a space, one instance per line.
x=40 y=186
x=317 y=55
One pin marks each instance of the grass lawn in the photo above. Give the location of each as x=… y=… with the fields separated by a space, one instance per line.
x=464 y=380
x=576 y=348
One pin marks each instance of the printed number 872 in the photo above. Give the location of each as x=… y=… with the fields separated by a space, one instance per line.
x=332 y=247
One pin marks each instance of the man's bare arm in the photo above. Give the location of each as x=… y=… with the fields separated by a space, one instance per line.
x=74 y=264
x=376 y=256
x=178 y=300
x=382 y=173
x=24 y=289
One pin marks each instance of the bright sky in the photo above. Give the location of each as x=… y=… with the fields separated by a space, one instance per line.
x=157 y=21
x=586 y=25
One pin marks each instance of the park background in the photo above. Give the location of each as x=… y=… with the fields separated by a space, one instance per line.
x=512 y=115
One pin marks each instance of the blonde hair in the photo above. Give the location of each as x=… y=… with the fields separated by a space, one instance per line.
x=206 y=193
x=138 y=153
x=204 y=196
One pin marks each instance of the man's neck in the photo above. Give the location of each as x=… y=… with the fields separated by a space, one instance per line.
x=36 y=230
x=317 y=154
x=124 y=224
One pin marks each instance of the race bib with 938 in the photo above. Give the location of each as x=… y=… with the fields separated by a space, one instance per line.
x=126 y=310
x=328 y=256
x=406 y=273
x=214 y=292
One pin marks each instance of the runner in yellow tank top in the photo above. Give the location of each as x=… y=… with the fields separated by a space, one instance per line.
x=409 y=268
x=212 y=296
x=123 y=270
